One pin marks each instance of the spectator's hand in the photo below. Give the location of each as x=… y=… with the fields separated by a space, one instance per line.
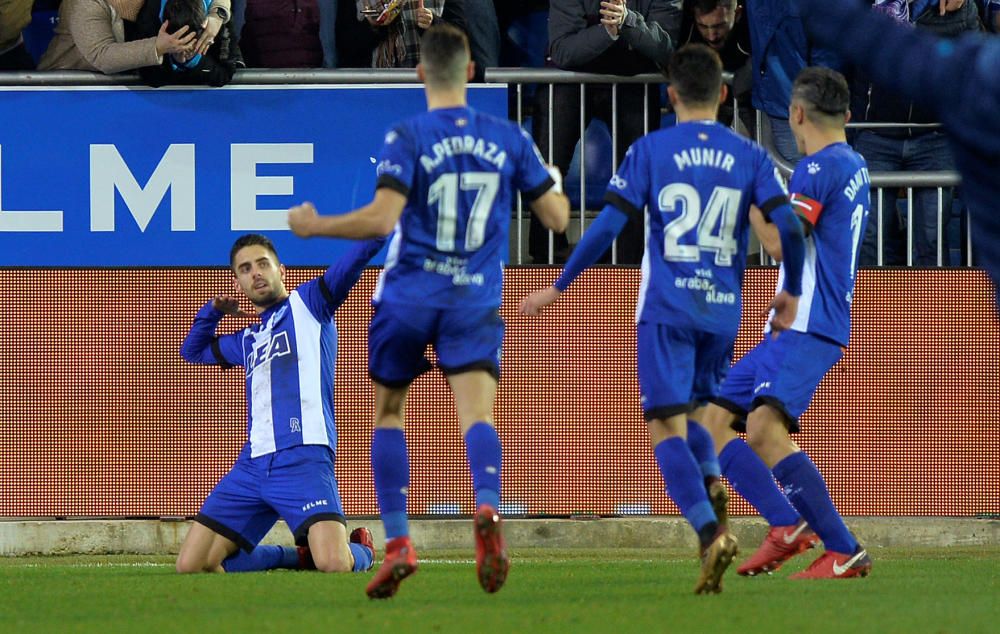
x=534 y=303
x=947 y=6
x=785 y=308
x=228 y=305
x=209 y=29
x=389 y=13
x=424 y=16
x=177 y=43
x=613 y=16
x=301 y=219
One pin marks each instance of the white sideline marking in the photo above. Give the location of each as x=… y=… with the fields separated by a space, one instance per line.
x=101 y=564
x=423 y=562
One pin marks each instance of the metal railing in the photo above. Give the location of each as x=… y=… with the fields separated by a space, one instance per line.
x=547 y=79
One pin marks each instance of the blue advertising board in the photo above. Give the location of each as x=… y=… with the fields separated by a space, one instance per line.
x=132 y=176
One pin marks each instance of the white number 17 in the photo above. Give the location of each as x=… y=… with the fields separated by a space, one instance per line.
x=444 y=192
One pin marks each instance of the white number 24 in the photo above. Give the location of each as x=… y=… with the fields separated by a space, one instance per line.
x=444 y=192
x=716 y=226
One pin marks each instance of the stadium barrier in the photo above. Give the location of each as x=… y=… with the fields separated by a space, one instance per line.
x=99 y=416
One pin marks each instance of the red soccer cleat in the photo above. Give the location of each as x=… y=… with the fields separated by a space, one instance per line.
x=305 y=558
x=492 y=563
x=781 y=544
x=400 y=562
x=831 y=565
x=715 y=559
x=364 y=537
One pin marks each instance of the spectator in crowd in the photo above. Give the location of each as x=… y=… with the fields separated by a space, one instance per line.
x=611 y=38
x=399 y=25
x=214 y=68
x=909 y=148
x=91 y=36
x=287 y=33
x=507 y=12
x=989 y=13
x=478 y=19
x=721 y=25
x=14 y=16
x=355 y=42
x=779 y=51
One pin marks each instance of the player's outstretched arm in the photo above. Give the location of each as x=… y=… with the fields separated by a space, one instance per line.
x=201 y=346
x=595 y=241
x=374 y=220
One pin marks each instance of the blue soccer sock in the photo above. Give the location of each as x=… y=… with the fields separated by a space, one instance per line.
x=807 y=492
x=753 y=480
x=391 y=470
x=482 y=446
x=363 y=557
x=685 y=487
x=703 y=448
x=262 y=558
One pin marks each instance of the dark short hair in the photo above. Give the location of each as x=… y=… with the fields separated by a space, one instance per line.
x=251 y=239
x=707 y=6
x=824 y=93
x=695 y=72
x=180 y=13
x=444 y=53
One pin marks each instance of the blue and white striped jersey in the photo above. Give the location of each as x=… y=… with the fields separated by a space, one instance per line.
x=697 y=180
x=830 y=192
x=459 y=170
x=289 y=358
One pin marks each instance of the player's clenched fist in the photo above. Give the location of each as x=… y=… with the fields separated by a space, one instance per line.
x=301 y=219
x=535 y=302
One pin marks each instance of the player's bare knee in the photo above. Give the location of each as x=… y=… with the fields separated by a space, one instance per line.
x=189 y=565
x=332 y=562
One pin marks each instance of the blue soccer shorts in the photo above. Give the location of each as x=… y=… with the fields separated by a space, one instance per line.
x=679 y=368
x=464 y=339
x=296 y=484
x=783 y=373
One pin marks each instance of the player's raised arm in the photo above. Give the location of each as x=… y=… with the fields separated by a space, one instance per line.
x=201 y=346
x=374 y=220
x=346 y=271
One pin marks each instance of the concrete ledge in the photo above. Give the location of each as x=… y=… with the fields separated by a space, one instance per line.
x=163 y=537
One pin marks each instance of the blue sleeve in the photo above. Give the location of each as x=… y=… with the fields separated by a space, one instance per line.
x=595 y=241
x=769 y=190
x=201 y=346
x=397 y=161
x=325 y=294
x=629 y=187
x=793 y=246
x=531 y=175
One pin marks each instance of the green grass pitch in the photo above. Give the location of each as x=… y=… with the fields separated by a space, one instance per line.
x=616 y=591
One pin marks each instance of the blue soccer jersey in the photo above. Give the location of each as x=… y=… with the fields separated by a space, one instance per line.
x=289 y=358
x=698 y=180
x=830 y=192
x=459 y=170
